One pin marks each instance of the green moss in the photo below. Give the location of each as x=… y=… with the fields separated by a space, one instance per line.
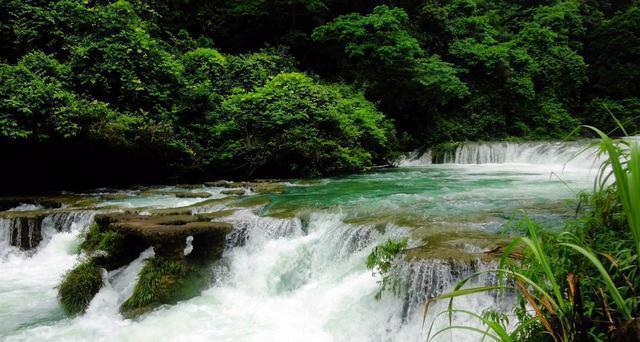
x=112 y=242
x=188 y=194
x=91 y=238
x=115 y=248
x=79 y=286
x=233 y=192
x=95 y=239
x=164 y=281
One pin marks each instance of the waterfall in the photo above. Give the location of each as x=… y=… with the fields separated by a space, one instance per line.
x=248 y=225
x=421 y=280
x=416 y=158
x=26 y=232
x=528 y=153
x=572 y=153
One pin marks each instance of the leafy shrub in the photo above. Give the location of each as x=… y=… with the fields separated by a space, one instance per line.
x=295 y=126
x=381 y=260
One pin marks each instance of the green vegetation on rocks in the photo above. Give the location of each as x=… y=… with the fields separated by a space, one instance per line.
x=78 y=287
x=164 y=281
x=381 y=260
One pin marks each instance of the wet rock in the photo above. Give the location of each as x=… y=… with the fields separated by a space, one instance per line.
x=168 y=233
x=237 y=192
x=224 y=184
x=49 y=202
x=23 y=231
x=188 y=194
x=267 y=187
x=115 y=196
x=189 y=186
x=258 y=186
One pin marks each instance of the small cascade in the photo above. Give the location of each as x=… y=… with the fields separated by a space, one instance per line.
x=247 y=225
x=22 y=232
x=27 y=231
x=425 y=279
x=65 y=221
x=416 y=158
x=530 y=153
x=341 y=240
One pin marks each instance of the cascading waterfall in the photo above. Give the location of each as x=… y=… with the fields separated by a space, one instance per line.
x=249 y=225
x=28 y=231
x=532 y=152
x=21 y=232
x=575 y=153
x=422 y=280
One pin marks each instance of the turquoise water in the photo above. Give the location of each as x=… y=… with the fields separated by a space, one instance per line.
x=413 y=195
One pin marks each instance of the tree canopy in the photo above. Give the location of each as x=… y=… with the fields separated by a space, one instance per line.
x=301 y=88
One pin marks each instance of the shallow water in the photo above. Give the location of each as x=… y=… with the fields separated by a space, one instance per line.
x=297 y=271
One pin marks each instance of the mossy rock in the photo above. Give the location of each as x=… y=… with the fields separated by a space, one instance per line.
x=189 y=186
x=165 y=281
x=79 y=286
x=224 y=184
x=111 y=249
x=188 y=194
x=115 y=196
x=171 y=211
x=267 y=187
x=168 y=233
x=52 y=202
x=235 y=192
x=217 y=214
x=252 y=201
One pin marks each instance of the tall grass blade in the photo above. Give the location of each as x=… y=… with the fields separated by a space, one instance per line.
x=611 y=287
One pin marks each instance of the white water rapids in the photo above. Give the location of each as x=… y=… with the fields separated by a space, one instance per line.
x=293 y=279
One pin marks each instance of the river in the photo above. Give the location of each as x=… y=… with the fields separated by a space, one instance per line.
x=294 y=268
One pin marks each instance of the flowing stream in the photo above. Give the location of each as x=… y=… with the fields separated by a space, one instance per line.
x=294 y=267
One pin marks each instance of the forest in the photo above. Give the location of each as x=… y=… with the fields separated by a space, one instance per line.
x=117 y=92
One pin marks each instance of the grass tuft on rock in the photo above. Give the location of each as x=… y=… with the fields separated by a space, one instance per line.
x=79 y=286
x=163 y=281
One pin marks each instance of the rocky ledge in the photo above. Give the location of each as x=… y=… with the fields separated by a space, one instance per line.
x=168 y=233
x=184 y=246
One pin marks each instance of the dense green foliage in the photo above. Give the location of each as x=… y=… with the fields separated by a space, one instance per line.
x=295 y=126
x=146 y=91
x=79 y=285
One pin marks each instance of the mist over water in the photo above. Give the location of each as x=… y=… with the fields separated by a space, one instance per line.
x=295 y=269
